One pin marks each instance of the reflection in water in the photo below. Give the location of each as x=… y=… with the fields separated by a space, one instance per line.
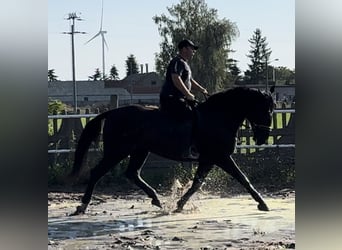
x=78 y=229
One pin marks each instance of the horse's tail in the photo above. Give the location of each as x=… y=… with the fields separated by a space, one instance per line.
x=89 y=134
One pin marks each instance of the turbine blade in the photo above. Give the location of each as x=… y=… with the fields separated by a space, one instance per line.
x=104 y=40
x=94 y=37
x=101 y=16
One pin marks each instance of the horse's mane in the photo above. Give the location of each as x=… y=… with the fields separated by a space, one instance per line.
x=227 y=96
x=233 y=97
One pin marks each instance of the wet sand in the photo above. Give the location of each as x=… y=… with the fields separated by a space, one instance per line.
x=207 y=222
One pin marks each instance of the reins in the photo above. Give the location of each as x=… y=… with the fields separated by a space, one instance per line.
x=205 y=96
x=195 y=102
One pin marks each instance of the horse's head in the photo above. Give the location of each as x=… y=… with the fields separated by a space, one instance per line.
x=245 y=103
x=260 y=116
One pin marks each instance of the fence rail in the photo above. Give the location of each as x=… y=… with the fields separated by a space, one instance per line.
x=286 y=129
x=55 y=151
x=94 y=115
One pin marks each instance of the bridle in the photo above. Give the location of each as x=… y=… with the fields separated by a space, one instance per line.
x=261 y=127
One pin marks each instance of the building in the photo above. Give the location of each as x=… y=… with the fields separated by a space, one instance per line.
x=141 y=88
x=138 y=88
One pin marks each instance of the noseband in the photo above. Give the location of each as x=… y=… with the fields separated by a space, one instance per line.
x=258 y=127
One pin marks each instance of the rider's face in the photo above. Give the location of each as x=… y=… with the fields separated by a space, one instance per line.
x=190 y=51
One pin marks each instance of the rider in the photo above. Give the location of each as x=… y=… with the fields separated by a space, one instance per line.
x=178 y=85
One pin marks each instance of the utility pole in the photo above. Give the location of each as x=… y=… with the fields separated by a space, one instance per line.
x=73 y=16
x=266 y=75
x=267 y=62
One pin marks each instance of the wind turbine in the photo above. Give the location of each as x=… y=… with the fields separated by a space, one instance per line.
x=101 y=32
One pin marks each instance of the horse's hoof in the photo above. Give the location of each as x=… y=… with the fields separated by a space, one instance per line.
x=79 y=210
x=75 y=213
x=263 y=207
x=156 y=203
x=178 y=210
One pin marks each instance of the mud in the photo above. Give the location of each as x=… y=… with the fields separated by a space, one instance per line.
x=207 y=222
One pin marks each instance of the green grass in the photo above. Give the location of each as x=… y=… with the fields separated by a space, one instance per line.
x=59 y=124
x=279 y=118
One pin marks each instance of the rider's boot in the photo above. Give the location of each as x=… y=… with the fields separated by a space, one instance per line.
x=191 y=153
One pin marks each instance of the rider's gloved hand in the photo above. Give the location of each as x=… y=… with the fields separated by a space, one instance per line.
x=190 y=97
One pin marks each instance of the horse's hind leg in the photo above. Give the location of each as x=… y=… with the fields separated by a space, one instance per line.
x=229 y=165
x=201 y=173
x=136 y=162
x=95 y=175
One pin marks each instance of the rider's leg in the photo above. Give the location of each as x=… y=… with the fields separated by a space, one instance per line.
x=192 y=151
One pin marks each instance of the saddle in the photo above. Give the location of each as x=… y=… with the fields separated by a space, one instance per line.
x=185 y=127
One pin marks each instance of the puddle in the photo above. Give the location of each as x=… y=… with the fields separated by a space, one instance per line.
x=136 y=224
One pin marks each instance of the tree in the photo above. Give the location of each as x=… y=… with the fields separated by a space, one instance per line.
x=51 y=75
x=234 y=71
x=283 y=75
x=131 y=65
x=97 y=75
x=114 y=75
x=258 y=54
x=193 y=19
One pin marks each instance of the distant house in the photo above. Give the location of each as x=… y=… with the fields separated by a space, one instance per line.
x=138 y=88
x=142 y=88
x=285 y=93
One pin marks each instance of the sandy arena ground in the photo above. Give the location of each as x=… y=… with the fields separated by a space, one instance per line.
x=207 y=222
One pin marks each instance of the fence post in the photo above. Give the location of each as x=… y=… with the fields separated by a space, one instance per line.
x=87 y=111
x=283 y=116
x=54 y=123
x=275 y=125
x=76 y=124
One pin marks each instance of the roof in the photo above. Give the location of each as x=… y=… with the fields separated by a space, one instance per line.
x=146 y=83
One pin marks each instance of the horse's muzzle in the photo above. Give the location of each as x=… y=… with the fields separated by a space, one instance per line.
x=261 y=134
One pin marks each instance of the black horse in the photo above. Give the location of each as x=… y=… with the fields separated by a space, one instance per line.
x=136 y=130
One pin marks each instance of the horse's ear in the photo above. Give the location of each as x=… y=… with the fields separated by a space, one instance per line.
x=272 y=89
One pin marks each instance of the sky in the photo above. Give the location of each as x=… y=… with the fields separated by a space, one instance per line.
x=131 y=30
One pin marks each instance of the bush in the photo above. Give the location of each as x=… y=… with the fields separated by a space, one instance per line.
x=271 y=169
x=55 y=106
x=57 y=173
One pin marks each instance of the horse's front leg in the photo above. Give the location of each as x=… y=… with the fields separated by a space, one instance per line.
x=229 y=165
x=136 y=162
x=201 y=173
x=95 y=174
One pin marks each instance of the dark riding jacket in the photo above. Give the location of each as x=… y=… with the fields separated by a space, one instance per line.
x=172 y=100
x=180 y=67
